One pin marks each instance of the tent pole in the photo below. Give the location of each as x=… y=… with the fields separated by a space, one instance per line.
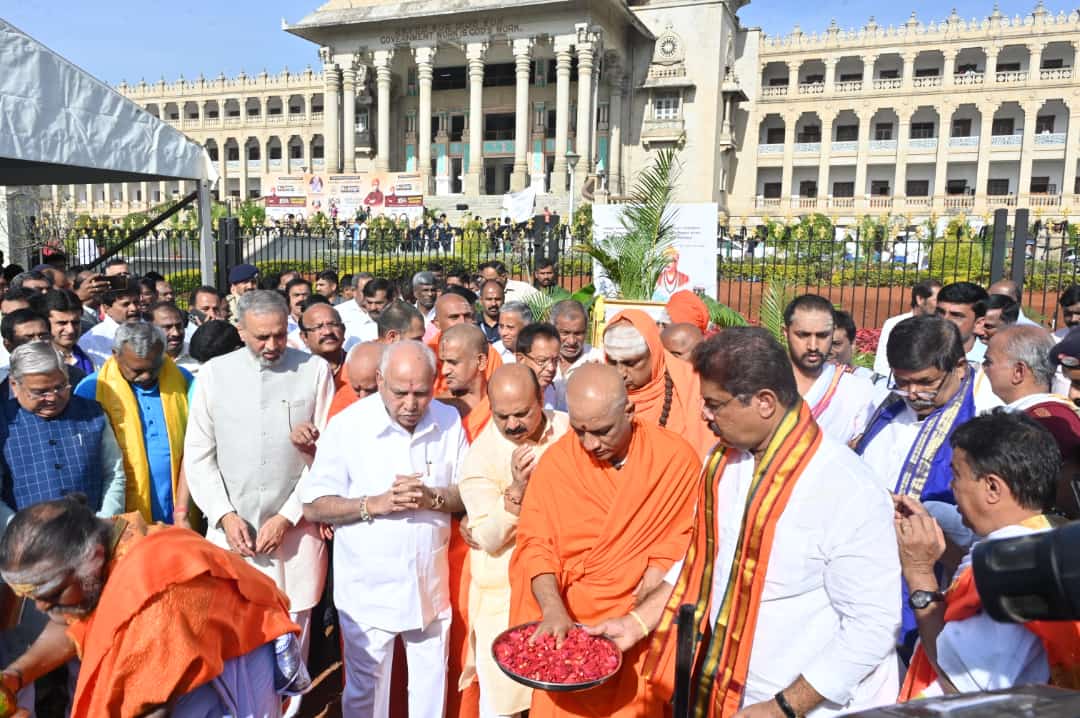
x=206 y=235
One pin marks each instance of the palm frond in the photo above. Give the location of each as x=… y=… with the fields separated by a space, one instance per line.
x=722 y=315
x=773 y=302
x=634 y=258
x=540 y=304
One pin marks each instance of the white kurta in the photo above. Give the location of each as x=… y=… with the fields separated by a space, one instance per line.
x=850 y=407
x=390 y=573
x=830 y=608
x=239 y=458
x=589 y=355
x=980 y=654
x=98 y=342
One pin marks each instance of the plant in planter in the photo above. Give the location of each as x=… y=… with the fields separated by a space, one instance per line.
x=634 y=258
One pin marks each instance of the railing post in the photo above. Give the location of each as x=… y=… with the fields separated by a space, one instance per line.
x=1019 y=253
x=228 y=248
x=997 y=248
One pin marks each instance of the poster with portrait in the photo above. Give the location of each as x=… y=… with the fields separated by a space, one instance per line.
x=287 y=196
x=691 y=256
x=343 y=196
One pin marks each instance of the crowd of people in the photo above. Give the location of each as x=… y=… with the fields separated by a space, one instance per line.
x=184 y=487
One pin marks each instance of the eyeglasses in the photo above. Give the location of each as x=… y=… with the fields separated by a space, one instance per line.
x=542 y=361
x=324 y=325
x=898 y=387
x=45 y=393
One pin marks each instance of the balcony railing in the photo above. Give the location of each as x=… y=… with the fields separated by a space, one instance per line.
x=883 y=145
x=232 y=164
x=212 y=122
x=842 y=202
x=922 y=143
x=1044 y=200
x=959 y=202
x=1006 y=140
x=275 y=164
x=807 y=147
x=316 y=116
x=804 y=203
x=318 y=163
x=1049 y=139
x=1010 y=76
x=969 y=78
x=919 y=202
x=928 y=81
x=774 y=91
x=1057 y=73
x=233 y=121
x=845 y=146
x=254 y=165
x=767 y=203
x=1001 y=200
x=888 y=83
x=880 y=202
x=964 y=142
x=774 y=149
x=849 y=86
x=811 y=88
x=275 y=119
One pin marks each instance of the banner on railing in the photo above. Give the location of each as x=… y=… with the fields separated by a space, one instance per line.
x=692 y=255
x=342 y=196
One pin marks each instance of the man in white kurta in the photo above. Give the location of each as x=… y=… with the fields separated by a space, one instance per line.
x=385 y=475
x=828 y=609
x=840 y=401
x=241 y=466
x=923 y=301
x=121 y=305
x=494 y=479
x=572 y=322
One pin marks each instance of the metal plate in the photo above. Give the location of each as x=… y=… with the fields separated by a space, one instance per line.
x=545 y=685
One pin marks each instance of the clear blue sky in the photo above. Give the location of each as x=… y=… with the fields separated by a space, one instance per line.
x=132 y=39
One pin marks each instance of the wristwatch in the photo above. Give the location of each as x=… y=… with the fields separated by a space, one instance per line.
x=919 y=600
x=437 y=501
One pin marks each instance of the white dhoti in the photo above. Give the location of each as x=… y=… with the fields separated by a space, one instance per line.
x=369 y=654
x=244 y=689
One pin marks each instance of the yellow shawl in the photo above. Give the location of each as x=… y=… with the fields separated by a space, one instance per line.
x=116 y=397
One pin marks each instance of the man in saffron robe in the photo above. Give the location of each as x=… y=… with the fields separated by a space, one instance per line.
x=360 y=368
x=663 y=390
x=139 y=380
x=120 y=587
x=608 y=511
x=1005 y=468
x=792 y=567
x=840 y=401
x=452 y=309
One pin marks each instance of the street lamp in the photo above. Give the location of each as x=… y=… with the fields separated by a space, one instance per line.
x=571 y=162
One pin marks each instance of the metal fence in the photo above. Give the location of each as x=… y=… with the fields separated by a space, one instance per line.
x=870 y=277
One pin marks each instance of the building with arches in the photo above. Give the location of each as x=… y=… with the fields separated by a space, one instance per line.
x=956 y=115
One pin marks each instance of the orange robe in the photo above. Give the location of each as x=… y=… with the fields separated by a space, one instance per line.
x=684 y=416
x=343 y=398
x=597 y=529
x=494 y=361
x=208 y=604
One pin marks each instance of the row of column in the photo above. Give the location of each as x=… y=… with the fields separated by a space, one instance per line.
x=585 y=44
x=941 y=159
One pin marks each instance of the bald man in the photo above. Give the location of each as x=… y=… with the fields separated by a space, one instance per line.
x=608 y=513
x=680 y=339
x=463 y=357
x=452 y=310
x=494 y=479
x=385 y=477
x=360 y=368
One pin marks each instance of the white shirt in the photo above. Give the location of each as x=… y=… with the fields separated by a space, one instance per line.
x=980 y=654
x=98 y=342
x=977 y=352
x=518 y=291
x=508 y=356
x=390 y=573
x=589 y=355
x=830 y=608
x=881 y=360
x=359 y=326
x=851 y=405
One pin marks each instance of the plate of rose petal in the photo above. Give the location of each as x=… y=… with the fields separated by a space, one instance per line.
x=582 y=662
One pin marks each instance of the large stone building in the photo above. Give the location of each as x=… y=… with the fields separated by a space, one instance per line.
x=486 y=97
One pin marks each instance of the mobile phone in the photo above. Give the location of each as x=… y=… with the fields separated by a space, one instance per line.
x=118 y=281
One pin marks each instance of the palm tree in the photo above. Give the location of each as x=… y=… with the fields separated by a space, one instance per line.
x=634 y=258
